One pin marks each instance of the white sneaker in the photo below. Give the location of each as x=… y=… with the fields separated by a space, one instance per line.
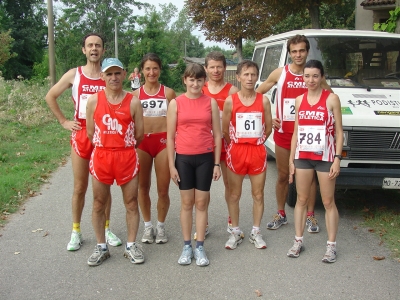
x=256 y=239
x=161 y=237
x=235 y=239
x=206 y=233
x=75 y=242
x=148 y=235
x=112 y=239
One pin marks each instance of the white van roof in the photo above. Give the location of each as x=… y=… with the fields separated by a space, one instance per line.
x=327 y=32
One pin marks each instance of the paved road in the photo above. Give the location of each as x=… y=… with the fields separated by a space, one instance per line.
x=44 y=269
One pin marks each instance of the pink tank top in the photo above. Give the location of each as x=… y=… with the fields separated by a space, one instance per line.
x=194 y=125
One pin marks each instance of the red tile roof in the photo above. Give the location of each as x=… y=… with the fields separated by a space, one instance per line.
x=377 y=2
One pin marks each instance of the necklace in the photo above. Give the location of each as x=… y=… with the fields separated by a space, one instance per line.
x=110 y=105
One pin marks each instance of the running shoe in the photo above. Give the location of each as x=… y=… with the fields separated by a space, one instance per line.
x=201 y=257
x=277 y=222
x=75 y=242
x=330 y=254
x=112 y=239
x=148 y=235
x=186 y=256
x=134 y=253
x=296 y=249
x=312 y=224
x=161 y=237
x=206 y=233
x=234 y=240
x=256 y=239
x=99 y=255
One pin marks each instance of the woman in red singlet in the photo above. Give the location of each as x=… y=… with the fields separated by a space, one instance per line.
x=316 y=146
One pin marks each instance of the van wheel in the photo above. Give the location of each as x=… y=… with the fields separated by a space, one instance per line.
x=292 y=194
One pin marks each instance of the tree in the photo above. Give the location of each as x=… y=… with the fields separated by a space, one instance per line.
x=5 y=47
x=26 y=21
x=231 y=21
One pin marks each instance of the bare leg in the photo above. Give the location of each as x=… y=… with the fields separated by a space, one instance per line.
x=80 y=169
x=163 y=181
x=257 y=192
x=130 y=195
x=201 y=205
x=282 y=164
x=146 y=163
x=101 y=193
x=304 y=178
x=187 y=203
x=235 y=192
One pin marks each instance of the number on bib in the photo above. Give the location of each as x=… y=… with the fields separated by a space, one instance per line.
x=289 y=109
x=311 y=138
x=249 y=125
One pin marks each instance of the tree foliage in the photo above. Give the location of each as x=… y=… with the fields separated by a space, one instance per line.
x=5 y=47
x=391 y=23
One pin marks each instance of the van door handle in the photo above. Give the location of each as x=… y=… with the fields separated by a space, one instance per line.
x=273 y=96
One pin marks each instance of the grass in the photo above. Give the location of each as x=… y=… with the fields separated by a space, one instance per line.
x=380 y=210
x=32 y=143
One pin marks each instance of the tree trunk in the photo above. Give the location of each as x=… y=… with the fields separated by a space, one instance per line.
x=313 y=10
x=239 y=49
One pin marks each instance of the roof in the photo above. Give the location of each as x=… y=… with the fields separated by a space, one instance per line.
x=377 y=2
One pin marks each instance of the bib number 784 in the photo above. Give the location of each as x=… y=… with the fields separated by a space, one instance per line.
x=311 y=138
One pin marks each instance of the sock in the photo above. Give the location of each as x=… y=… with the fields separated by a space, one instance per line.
x=256 y=229
x=129 y=244
x=298 y=238
x=282 y=213
x=310 y=213
x=188 y=243
x=107 y=224
x=76 y=227
x=331 y=243
x=148 y=224
x=161 y=224
x=236 y=230
x=103 y=246
x=198 y=244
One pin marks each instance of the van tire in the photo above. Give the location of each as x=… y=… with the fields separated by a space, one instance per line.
x=292 y=194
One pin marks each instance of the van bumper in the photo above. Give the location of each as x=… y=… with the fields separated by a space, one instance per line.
x=364 y=177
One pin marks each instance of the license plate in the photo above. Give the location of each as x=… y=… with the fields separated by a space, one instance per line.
x=391 y=183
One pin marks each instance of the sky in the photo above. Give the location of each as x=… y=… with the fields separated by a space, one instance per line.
x=179 y=4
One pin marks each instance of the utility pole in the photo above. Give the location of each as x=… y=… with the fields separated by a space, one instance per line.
x=50 y=38
x=116 y=39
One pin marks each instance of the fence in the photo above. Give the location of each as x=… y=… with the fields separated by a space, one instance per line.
x=230 y=76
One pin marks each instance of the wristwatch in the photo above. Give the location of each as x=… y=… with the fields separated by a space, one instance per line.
x=338 y=156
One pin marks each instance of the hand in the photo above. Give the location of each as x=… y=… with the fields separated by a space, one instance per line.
x=292 y=170
x=276 y=123
x=216 y=173
x=71 y=125
x=174 y=176
x=334 y=171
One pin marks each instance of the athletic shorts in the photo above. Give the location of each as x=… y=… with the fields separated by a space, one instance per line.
x=245 y=159
x=317 y=165
x=153 y=143
x=283 y=140
x=81 y=143
x=195 y=171
x=119 y=164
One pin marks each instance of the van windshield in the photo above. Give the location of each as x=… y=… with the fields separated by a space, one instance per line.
x=358 y=61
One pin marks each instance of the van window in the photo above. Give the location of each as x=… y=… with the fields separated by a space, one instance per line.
x=258 y=56
x=271 y=60
x=352 y=61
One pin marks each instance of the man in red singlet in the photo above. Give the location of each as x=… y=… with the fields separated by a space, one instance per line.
x=115 y=127
x=290 y=84
x=85 y=81
x=217 y=88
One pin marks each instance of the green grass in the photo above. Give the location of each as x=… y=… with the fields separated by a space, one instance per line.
x=32 y=143
x=380 y=210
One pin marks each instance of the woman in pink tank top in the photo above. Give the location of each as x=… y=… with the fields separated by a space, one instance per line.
x=193 y=130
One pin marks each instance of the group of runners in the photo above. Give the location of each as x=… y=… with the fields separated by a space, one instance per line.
x=212 y=129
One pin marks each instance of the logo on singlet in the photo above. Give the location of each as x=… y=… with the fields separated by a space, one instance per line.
x=311 y=115
x=296 y=85
x=113 y=127
x=86 y=88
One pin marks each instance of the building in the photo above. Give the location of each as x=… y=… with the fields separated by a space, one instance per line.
x=369 y=12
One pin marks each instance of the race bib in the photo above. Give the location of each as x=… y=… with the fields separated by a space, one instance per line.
x=311 y=138
x=82 y=106
x=249 y=125
x=154 y=107
x=289 y=109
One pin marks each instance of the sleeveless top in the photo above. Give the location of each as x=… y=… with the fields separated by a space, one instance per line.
x=135 y=83
x=316 y=130
x=114 y=127
x=194 y=125
x=289 y=87
x=220 y=97
x=82 y=88
x=247 y=124
x=153 y=105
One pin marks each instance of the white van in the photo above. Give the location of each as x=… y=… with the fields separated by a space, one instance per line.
x=363 y=69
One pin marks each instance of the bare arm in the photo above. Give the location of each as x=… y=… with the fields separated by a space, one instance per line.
x=170 y=94
x=171 y=131
x=60 y=87
x=226 y=118
x=270 y=82
x=267 y=117
x=293 y=144
x=333 y=104
x=217 y=138
x=325 y=85
x=131 y=76
x=90 y=108
x=137 y=116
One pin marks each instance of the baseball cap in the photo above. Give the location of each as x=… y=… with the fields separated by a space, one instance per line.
x=111 y=62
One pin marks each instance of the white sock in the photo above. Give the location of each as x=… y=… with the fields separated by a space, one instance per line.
x=298 y=238
x=103 y=246
x=128 y=245
x=332 y=243
x=256 y=229
x=148 y=224
x=161 y=224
